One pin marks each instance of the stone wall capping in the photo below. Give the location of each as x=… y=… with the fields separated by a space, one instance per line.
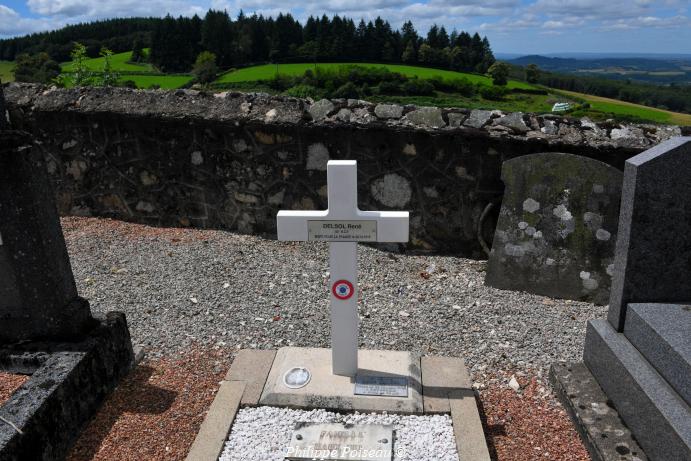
x=230 y=160
x=234 y=106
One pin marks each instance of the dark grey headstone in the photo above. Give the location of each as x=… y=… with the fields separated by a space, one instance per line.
x=662 y=333
x=656 y=415
x=38 y=296
x=557 y=227
x=653 y=250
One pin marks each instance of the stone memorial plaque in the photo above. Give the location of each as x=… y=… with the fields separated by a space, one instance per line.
x=343 y=231
x=341 y=442
x=388 y=386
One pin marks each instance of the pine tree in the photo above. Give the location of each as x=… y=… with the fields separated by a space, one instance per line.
x=442 y=38
x=433 y=36
x=217 y=35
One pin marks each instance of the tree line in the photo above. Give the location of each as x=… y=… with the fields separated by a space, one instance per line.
x=175 y=43
x=117 y=35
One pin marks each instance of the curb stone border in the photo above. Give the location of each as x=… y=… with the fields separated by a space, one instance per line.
x=448 y=391
x=599 y=425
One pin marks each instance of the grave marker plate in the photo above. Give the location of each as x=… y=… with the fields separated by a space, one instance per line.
x=343 y=231
x=341 y=442
x=389 y=386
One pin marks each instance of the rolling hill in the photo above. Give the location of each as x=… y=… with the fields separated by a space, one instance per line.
x=144 y=75
x=268 y=71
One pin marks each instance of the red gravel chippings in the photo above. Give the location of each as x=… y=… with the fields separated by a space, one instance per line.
x=528 y=425
x=156 y=411
x=76 y=226
x=9 y=383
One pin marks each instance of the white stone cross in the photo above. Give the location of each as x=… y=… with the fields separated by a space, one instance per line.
x=343 y=225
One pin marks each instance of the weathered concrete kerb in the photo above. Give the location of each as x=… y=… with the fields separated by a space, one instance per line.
x=232 y=160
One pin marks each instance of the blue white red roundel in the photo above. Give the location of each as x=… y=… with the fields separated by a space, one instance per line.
x=343 y=289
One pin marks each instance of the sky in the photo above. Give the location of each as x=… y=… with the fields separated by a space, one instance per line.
x=512 y=26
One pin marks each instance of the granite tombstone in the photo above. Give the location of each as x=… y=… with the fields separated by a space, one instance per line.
x=641 y=355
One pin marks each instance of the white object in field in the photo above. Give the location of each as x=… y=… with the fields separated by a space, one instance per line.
x=561 y=106
x=343 y=225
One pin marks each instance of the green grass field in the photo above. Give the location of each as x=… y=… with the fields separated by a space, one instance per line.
x=605 y=106
x=143 y=75
x=6 y=74
x=118 y=61
x=268 y=71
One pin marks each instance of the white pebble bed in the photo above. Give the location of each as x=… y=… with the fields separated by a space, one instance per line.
x=263 y=433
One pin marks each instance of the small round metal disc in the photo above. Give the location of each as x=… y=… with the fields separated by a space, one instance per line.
x=297 y=377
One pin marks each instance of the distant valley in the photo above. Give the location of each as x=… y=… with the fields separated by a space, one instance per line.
x=657 y=69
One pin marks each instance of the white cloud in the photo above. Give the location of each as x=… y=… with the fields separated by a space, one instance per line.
x=646 y=22
x=526 y=21
x=591 y=8
x=220 y=5
x=120 y=8
x=11 y=23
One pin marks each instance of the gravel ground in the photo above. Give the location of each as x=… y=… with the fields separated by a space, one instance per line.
x=527 y=424
x=179 y=287
x=155 y=412
x=263 y=433
x=9 y=383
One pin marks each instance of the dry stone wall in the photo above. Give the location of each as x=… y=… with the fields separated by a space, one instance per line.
x=232 y=160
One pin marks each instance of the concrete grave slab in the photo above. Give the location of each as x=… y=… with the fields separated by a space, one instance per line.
x=603 y=432
x=329 y=391
x=662 y=333
x=658 y=417
x=446 y=380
